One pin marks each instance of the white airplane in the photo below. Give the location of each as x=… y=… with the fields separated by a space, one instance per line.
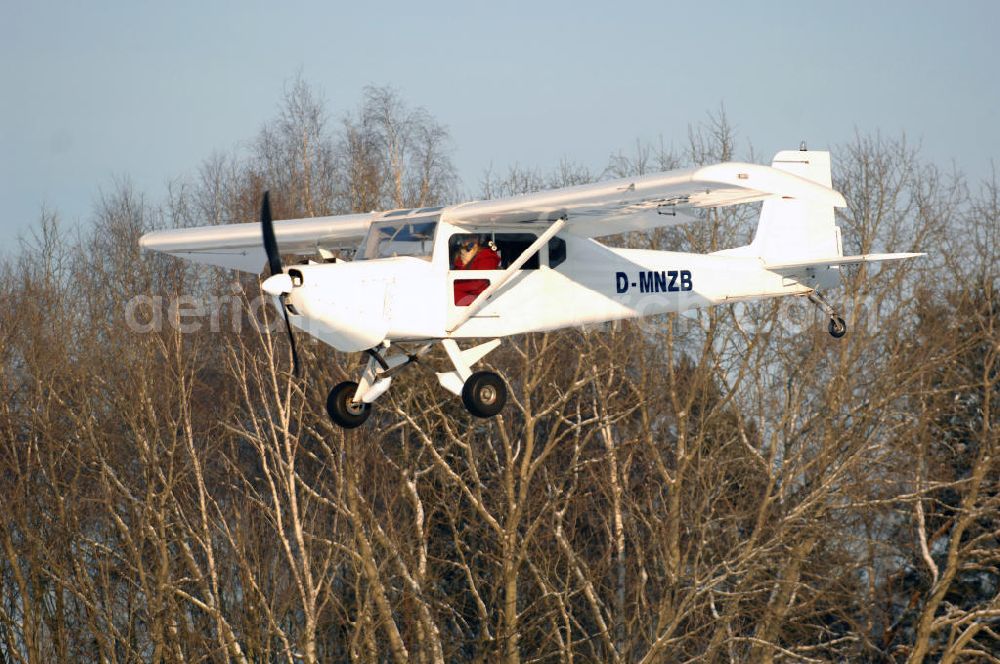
x=401 y=292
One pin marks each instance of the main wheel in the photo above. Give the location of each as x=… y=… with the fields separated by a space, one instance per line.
x=341 y=408
x=837 y=327
x=484 y=394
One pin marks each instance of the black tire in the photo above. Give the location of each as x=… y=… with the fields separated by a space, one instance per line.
x=342 y=410
x=484 y=394
x=837 y=327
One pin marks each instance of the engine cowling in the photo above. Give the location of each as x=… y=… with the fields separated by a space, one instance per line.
x=340 y=305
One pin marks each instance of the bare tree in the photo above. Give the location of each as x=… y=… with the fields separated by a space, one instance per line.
x=728 y=486
x=392 y=156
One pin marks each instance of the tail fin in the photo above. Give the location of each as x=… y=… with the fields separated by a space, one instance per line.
x=798 y=238
x=795 y=230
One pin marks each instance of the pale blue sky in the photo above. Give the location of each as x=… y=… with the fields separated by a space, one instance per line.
x=95 y=90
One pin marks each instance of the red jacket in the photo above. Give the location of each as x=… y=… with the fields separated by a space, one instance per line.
x=466 y=290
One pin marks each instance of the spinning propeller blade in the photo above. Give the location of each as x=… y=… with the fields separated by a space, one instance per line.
x=274 y=262
x=291 y=342
x=270 y=243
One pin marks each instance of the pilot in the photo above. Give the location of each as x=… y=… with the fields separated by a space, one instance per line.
x=474 y=253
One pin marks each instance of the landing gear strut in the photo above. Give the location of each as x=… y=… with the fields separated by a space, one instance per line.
x=484 y=393
x=837 y=327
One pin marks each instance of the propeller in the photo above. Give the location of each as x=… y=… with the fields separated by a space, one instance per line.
x=279 y=283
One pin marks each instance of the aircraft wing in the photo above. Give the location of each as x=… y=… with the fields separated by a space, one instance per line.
x=650 y=201
x=593 y=210
x=241 y=246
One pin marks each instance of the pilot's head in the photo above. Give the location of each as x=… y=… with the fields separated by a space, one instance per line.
x=467 y=248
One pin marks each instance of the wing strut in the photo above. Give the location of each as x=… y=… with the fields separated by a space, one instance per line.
x=483 y=298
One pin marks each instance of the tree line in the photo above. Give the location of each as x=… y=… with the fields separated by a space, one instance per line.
x=734 y=486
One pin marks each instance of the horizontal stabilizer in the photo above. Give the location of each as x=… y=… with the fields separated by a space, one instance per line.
x=838 y=260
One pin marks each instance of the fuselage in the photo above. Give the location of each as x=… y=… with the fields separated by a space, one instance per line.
x=574 y=281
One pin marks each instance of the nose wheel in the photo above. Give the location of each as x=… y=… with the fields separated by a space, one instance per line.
x=342 y=408
x=349 y=404
x=484 y=394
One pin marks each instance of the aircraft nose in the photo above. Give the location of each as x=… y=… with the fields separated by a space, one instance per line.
x=339 y=307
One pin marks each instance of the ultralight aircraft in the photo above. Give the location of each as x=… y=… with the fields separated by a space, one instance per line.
x=402 y=292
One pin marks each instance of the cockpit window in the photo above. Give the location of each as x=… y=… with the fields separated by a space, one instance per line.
x=507 y=246
x=413 y=237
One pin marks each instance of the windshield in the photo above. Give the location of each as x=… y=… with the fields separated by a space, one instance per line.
x=400 y=238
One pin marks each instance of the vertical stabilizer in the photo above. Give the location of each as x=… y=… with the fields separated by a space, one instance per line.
x=793 y=230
